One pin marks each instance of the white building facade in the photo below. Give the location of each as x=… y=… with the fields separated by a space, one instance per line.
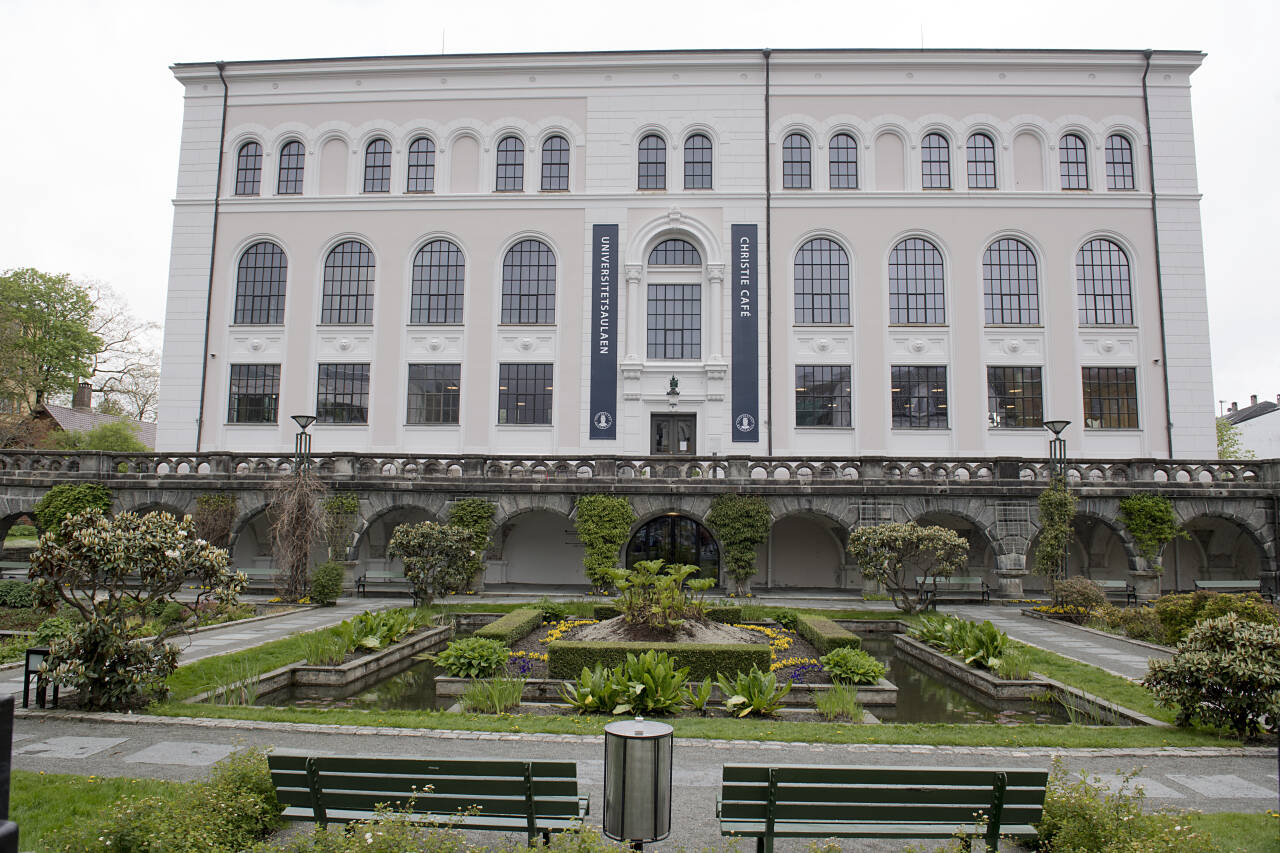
x=831 y=253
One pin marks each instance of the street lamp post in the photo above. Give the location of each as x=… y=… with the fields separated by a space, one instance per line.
x=1058 y=460
x=302 y=442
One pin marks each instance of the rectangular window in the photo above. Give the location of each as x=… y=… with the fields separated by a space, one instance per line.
x=254 y=395
x=823 y=396
x=675 y=321
x=434 y=393
x=1110 y=397
x=1015 y=398
x=524 y=393
x=342 y=394
x=919 y=397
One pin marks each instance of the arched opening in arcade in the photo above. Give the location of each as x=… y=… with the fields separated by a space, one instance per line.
x=982 y=554
x=251 y=548
x=1096 y=551
x=14 y=551
x=1219 y=549
x=807 y=550
x=678 y=539
x=536 y=547
x=371 y=547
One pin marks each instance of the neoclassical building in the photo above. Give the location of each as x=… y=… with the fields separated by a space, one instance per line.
x=813 y=253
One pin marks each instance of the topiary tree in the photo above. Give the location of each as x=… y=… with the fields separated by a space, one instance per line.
x=742 y=523
x=1152 y=523
x=340 y=512
x=297 y=521
x=109 y=570
x=603 y=523
x=1057 y=511
x=894 y=555
x=67 y=500
x=476 y=515
x=214 y=516
x=438 y=558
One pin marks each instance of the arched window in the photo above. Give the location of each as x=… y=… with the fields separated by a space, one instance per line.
x=679 y=541
x=916 y=292
x=981 y=162
x=1119 y=162
x=249 y=169
x=422 y=166
x=697 y=162
x=555 y=164
x=348 y=284
x=1102 y=284
x=1073 y=162
x=436 y=296
x=1011 y=289
x=529 y=284
x=822 y=282
x=843 y=153
x=674 y=302
x=652 y=163
x=510 y=165
x=935 y=162
x=260 y=284
x=292 y=159
x=377 y=166
x=680 y=253
x=796 y=164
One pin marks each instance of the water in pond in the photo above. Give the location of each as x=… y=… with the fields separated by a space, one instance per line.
x=413 y=689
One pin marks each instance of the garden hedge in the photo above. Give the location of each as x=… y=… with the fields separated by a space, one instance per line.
x=15 y=593
x=728 y=614
x=565 y=658
x=824 y=634
x=515 y=625
x=601 y=612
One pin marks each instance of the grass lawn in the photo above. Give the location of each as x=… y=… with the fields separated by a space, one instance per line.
x=40 y=803
x=1237 y=831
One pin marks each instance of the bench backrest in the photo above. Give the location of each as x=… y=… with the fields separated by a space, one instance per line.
x=903 y=795
x=529 y=789
x=1112 y=584
x=951 y=581
x=1246 y=585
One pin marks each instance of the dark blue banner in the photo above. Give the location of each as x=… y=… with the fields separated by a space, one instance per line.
x=604 y=331
x=746 y=334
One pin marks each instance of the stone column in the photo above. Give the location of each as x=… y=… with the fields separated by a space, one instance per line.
x=635 y=314
x=715 y=312
x=1145 y=579
x=1010 y=570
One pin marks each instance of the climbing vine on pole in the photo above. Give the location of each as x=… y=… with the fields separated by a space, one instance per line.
x=603 y=523
x=742 y=523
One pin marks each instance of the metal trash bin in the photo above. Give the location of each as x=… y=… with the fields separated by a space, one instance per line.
x=637 y=781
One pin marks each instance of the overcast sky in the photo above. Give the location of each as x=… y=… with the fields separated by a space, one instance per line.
x=88 y=159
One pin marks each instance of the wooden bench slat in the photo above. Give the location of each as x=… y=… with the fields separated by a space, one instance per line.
x=867 y=830
x=933 y=777
x=451 y=785
x=880 y=793
x=490 y=822
x=449 y=767
x=368 y=801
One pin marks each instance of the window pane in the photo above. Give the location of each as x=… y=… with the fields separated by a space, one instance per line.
x=377 y=167
x=1011 y=292
x=1015 y=398
x=915 y=283
x=919 y=397
x=675 y=253
x=254 y=395
x=249 y=169
x=796 y=162
x=935 y=155
x=982 y=162
x=437 y=284
x=1073 y=161
x=823 y=395
x=342 y=394
x=348 y=284
x=434 y=393
x=422 y=166
x=675 y=321
x=652 y=163
x=697 y=162
x=555 y=163
x=524 y=393
x=1119 y=163
x=292 y=159
x=1102 y=284
x=1110 y=397
x=822 y=282
x=529 y=284
x=844 y=162
x=260 y=285
x=510 y=165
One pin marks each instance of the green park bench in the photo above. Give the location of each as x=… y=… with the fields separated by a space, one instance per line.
x=384 y=583
x=1116 y=589
x=533 y=797
x=1234 y=586
x=765 y=802
x=956 y=588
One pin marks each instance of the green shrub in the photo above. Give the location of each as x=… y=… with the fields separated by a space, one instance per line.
x=326 y=583
x=603 y=523
x=894 y=555
x=839 y=702
x=512 y=626
x=565 y=658
x=67 y=500
x=754 y=692
x=787 y=618
x=1179 y=613
x=824 y=634
x=14 y=593
x=1079 y=592
x=595 y=691
x=644 y=684
x=1225 y=673
x=660 y=596
x=603 y=612
x=741 y=523
x=1249 y=606
x=174 y=612
x=21 y=531
x=1140 y=623
x=1152 y=523
x=492 y=695
x=728 y=614
x=977 y=645
x=475 y=515
x=438 y=558
x=552 y=611
x=53 y=628
x=377 y=630
x=848 y=665
x=474 y=657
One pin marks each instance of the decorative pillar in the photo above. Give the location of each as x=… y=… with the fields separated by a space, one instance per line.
x=635 y=314
x=1011 y=568
x=715 y=311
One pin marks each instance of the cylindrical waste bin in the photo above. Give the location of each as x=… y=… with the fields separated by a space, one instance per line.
x=637 y=781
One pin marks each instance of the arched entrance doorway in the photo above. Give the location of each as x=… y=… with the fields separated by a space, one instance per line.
x=807 y=551
x=676 y=539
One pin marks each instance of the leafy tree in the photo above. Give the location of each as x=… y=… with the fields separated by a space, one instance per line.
x=1057 y=511
x=742 y=523
x=1230 y=441
x=894 y=555
x=438 y=558
x=47 y=342
x=111 y=571
x=116 y=437
x=603 y=522
x=70 y=499
x=1151 y=522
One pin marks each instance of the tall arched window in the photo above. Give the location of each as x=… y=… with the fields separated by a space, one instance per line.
x=981 y=162
x=510 y=177
x=377 y=166
x=935 y=162
x=843 y=153
x=422 y=166
x=916 y=291
x=652 y=163
x=555 y=164
x=1073 y=162
x=1010 y=284
x=822 y=282
x=1102 y=284
x=260 y=285
x=249 y=169
x=1119 y=162
x=674 y=303
x=529 y=284
x=697 y=162
x=436 y=295
x=292 y=159
x=796 y=162
x=348 y=284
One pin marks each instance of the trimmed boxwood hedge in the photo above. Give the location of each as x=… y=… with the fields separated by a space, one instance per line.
x=824 y=634
x=566 y=658
x=728 y=614
x=602 y=612
x=516 y=624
